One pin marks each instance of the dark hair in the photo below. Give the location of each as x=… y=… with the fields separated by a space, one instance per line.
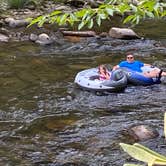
x=129 y=53
x=104 y=68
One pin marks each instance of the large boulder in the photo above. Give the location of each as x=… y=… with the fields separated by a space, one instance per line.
x=123 y=33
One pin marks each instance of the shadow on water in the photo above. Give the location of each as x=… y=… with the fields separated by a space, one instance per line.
x=45 y=120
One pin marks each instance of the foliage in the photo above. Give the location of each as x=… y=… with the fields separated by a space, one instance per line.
x=17 y=4
x=144 y=154
x=3 y=5
x=88 y=16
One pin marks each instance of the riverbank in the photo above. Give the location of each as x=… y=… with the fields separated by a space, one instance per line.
x=13 y=28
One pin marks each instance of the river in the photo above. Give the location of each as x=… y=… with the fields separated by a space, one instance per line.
x=45 y=120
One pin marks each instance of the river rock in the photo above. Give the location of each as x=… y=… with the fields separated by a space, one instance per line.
x=44 y=39
x=16 y=23
x=33 y=37
x=123 y=33
x=4 y=31
x=143 y=132
x=79 y=33
x=4 y=38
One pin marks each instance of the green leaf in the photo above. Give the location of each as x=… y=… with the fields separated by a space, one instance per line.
x=134 y=8
x=124 y=8
x=81 y=25
x=138 y=153
x=73 y=17
x=98 y=20
x=88 y=18
x=63 y=19
x=150 y=14
x=144 y=154
x=129 y=18
x=90 y=24
x=52 y=20
x=42 y=20
x=137 y=19
x=109 y=11
x=56 y=12
x=80 y=13
x=163 y=14
x=58 y=19
x=102 y=16
x=157 y=155
x=36 y=20
x=87 y=14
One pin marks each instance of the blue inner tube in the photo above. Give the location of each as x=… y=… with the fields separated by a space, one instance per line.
x=138 y=78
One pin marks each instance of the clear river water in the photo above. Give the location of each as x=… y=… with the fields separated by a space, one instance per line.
x=45 y=120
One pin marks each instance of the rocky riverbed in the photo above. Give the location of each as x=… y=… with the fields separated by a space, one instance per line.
x=13 y=28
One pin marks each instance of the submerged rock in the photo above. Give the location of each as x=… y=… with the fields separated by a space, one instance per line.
x=143 y=132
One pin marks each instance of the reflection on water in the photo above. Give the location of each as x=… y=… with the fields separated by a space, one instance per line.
x=46 y=120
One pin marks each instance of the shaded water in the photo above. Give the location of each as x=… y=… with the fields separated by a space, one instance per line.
x=45 y=120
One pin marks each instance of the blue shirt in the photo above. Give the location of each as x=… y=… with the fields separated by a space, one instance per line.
x=136 y=65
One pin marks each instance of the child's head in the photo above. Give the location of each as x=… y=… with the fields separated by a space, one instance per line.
x=102 y=69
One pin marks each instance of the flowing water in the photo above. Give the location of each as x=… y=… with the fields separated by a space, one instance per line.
x=45 y=120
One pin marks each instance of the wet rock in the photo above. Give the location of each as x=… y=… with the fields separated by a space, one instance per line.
x=103 y=34
x=33 y=37
x=4 y=31
x=4 y=38
x=31 y=5
x=123 y=33
x=16 y=23
x=69 y=98
x=143 y=132
x=1 y=23
x=73 y=39
x=43 y=39
x=79 y=33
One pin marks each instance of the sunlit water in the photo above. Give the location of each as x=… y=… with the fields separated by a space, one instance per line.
x=46 y=120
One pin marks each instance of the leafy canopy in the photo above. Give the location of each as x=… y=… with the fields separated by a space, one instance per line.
x=130 y=12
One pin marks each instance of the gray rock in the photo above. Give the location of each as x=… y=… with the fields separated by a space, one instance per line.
x=4 y=31
x=44 y=39
x=16 y=23
x=4 y=38
x=143 y=132
x=123 y=33
x=33 y=37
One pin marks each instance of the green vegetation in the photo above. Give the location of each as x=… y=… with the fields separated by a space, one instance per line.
x=3 y=5
x=15 y=4
x=130 y=12
x=144 y=154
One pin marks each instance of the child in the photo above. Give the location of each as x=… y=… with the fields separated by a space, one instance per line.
x=103 y=73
